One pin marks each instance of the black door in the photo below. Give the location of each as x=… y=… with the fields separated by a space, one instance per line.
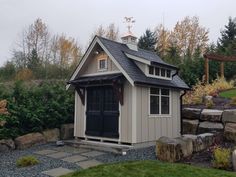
x=102 y=115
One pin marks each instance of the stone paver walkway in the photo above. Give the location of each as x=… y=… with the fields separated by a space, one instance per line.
x=75 y=158
x=57 y=172
x=82 y=157
x=88 y=163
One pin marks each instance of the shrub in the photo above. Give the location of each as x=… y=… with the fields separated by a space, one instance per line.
x=209 y=104
x=27 y=161
x=233 y=101
x=221 y=158
x=200 y=90
x=35 y=107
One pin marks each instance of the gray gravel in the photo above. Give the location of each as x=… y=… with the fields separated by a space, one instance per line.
x=8 y=161
x=8 y=166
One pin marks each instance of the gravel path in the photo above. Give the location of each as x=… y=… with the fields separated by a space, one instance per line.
x=8 y=161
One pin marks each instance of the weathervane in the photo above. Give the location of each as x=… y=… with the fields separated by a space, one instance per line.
x=129 y=21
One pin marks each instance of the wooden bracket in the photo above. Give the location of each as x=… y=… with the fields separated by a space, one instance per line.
x=119 y=91
x=81 y=92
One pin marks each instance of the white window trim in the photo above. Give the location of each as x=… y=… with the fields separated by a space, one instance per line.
x=106 y=64
x=170 y=104
x=154 y=76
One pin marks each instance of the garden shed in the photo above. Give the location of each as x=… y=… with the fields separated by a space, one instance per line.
x=124 y=94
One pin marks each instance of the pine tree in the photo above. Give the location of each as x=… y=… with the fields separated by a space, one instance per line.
x=147 y=41
x=33 y=60
x=227 y=42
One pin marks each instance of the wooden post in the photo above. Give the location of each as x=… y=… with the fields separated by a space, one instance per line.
x=222 y=69
x=206 y=70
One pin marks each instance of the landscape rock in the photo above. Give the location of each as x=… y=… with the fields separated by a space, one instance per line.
x=67 y=131
x=208 y=139
x=211 y=115
x=29 y=140
x=52 y=135
x=234 y=160
x=210 y=127
x=191 y=113
x=198 y=144
x=172 y=150
x=229 y=116
x=190 y=126
x=230 y=132
x=6 y=145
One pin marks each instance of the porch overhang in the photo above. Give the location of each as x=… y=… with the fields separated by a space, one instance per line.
x=115 y=80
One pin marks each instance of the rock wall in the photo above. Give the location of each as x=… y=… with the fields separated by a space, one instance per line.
x=197 y=121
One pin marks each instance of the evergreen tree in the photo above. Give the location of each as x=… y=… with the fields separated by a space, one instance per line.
x=227 y=42
x=227 y=46
x=33 y=60
x=147 y=41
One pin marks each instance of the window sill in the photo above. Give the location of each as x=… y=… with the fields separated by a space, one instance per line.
x=159 y=115
x=102 y=70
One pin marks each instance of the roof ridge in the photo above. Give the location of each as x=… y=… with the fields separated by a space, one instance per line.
x=110 y=40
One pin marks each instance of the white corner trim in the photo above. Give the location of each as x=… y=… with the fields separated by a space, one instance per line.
x=134 y=114
x=142 y=60
x=116 y=63
x=75 y=114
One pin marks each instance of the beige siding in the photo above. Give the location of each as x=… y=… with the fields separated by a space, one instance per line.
x=126 y=115
x=91 y=65
x=142 y=66
x=152 y=128
x=79 y=117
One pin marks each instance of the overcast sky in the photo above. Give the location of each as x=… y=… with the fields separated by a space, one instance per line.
x=79 y=18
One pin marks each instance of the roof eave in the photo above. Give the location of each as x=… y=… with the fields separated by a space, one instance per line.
x=160 y=85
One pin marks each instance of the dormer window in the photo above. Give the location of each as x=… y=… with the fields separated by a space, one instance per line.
x=102 y=64
x=159 y=72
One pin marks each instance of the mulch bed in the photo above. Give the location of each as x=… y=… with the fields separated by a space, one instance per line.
x=220 y=103
x=204 y=158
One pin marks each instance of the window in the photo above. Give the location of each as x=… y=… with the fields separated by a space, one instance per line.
x=159 y=72
x=159 y=101
x=102 y=64
x=151 y=70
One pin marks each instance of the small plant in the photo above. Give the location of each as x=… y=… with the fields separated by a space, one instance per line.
x=221 y=158
x=233 y=101
x=209 y=104
x=27 y=161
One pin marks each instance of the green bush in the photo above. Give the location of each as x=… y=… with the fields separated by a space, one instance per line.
x=221 y=158
x=35 y=107
x=27 y=161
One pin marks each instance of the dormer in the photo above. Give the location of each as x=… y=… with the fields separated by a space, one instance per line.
x=159 y=72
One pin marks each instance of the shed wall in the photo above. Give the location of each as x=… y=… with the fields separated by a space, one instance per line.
x=151 y=128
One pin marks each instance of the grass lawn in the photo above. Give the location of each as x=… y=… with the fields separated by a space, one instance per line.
x=150 y=169
x=228 y=93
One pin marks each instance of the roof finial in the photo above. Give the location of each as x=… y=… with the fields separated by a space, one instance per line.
x=129 y=21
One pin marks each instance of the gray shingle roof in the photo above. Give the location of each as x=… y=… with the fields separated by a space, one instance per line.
x=118 y=50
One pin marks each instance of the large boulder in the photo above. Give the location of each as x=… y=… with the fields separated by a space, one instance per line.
x=210 y=127
x=229 y=116
x=172 y=150
x=29 y=140
x=230 y=132
x=197 y=142
x=208 y=139
x=191 y=113
x=211 y=115
x=52 y=135
x=6 y=145
x=234 y=160
x=67 y=131
x=190 y=126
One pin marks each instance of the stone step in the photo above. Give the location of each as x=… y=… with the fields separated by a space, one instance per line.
x=100 y=146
